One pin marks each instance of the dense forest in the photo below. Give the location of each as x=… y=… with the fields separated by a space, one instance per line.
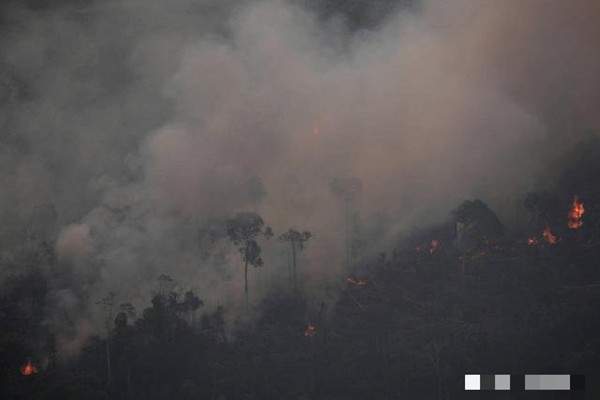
x=470 y=294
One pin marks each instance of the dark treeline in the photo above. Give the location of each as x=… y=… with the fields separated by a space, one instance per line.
x=470 y=294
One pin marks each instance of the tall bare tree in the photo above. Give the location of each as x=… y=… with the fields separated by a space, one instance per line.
x=297 y=242
x=107 y=303
x=243 y=230
x=347 y=188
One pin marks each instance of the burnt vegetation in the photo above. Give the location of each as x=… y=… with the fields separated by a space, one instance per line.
x=470 y=294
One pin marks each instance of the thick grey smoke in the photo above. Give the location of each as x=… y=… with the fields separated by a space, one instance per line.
x=139 y=123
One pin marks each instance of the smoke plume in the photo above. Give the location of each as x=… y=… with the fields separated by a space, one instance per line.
x=141 y=122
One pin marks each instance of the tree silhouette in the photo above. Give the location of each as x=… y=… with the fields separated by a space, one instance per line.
x=165 y=284
x=243 y=230
x=296 y=241
x=126 y=311
x=108 y=302
x=189 y=305
x=347 y=188
x=476 y=225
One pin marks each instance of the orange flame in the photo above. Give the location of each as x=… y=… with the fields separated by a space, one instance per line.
x=549 y=236
x=310 y=331
x=576 y=214
x=28 y=369
x=356 y=281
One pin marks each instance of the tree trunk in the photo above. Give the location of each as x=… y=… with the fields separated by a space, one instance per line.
x=435 y=357
x=347 y=232
x=129 y=382
x=294 y=265
x=108 y=369
x=246 y=281
x=289 y=262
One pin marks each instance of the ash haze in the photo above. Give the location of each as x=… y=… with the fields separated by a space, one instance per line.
x=128 y=127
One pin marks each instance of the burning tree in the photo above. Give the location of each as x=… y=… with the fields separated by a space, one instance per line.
x=359 y=282
x=296 y=241
x=311 y=330
x=549 y=236
x=243 y=231
x=576 y=214
x=28 y=369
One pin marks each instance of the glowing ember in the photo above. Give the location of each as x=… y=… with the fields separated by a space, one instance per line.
x=310 y=331
x=576 y=214
x=435 y=245
x=549 y=236
x=356 y=281
x=532 y=241
x=28 y=369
